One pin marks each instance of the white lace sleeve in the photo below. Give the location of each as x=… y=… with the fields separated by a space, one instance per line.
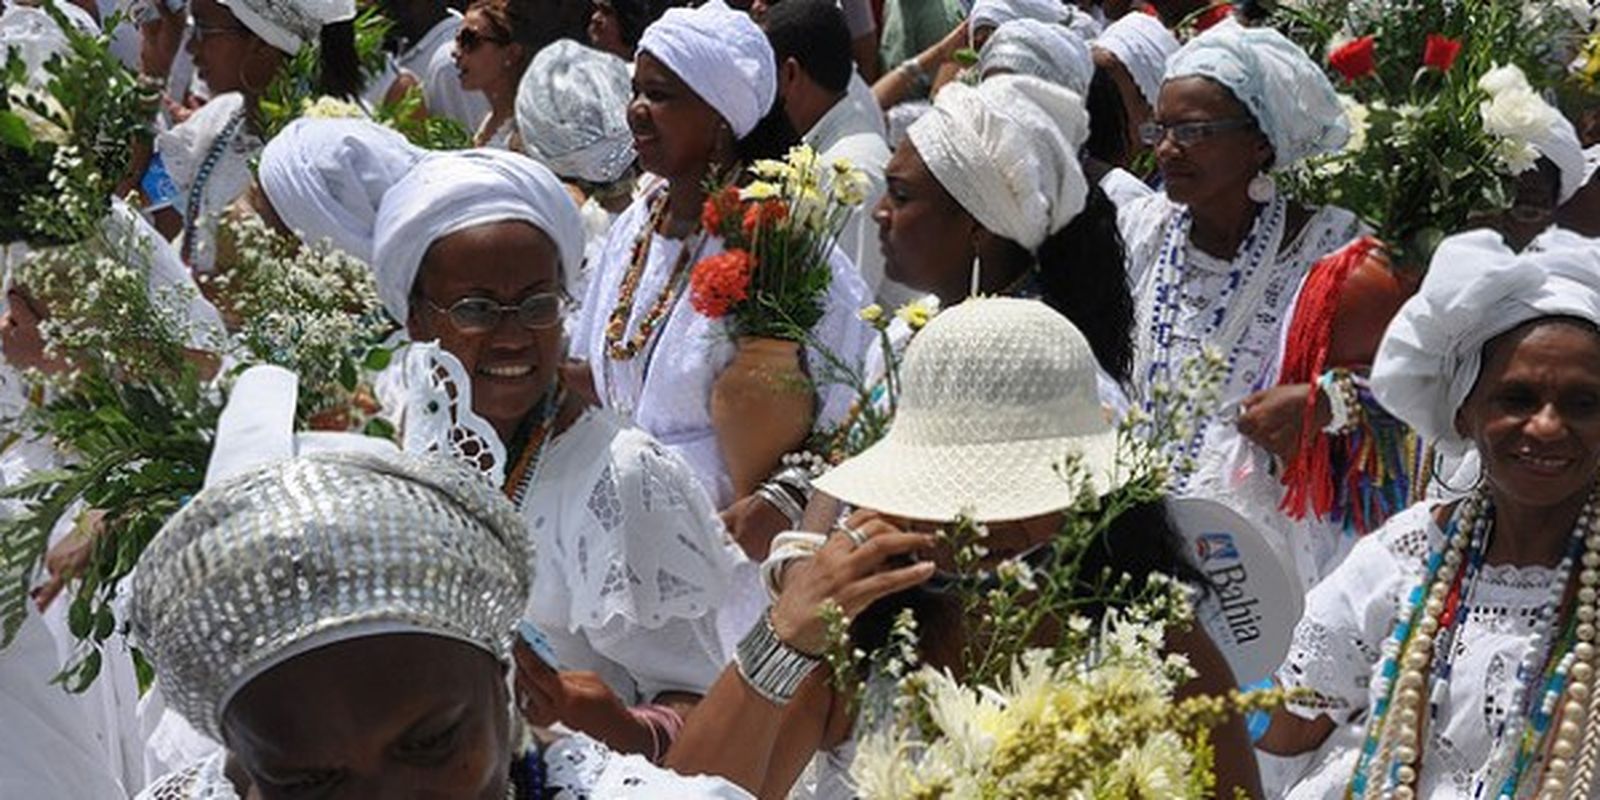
x=437 y=417
x=203 y=780
x=1339 y=639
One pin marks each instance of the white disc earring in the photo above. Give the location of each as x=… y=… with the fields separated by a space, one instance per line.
x=1262 y=188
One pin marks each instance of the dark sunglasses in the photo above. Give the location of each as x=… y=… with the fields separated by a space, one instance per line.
x=468 y=40
x=481 y=315
x=1189 y=133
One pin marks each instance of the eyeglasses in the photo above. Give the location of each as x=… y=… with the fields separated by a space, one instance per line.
x=204 y=32
x=481 y=315
x=1187 y=134
x=468 y=39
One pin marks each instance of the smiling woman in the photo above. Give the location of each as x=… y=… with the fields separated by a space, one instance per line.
x=475 y=250
x=1498 y=354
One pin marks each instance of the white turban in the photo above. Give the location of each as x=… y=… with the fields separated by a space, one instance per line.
x=994 y=13
x=289 y=25
x=1559 y=143
x=1476 y=289
x=326 y=177
x=1287 y=93
x=1142 y=45
x=722 y=55
x=1040 y=49
x=449 y=192
x=572 y=111
x=34 y=35
x=1007 y=151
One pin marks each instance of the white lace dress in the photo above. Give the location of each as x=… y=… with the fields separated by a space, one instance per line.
x=631 y=562
x=1336 y=655
x=666 y=388
x=577 y=768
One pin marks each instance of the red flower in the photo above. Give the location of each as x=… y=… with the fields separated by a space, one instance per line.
x=720 y=206
x=1212 y=16
x=720 y=282
x=763 y=214
x=1355 y=59
x=1440 y=52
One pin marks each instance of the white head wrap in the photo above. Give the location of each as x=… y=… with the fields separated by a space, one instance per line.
x=1476 y=289
x=1084 y=24
x=1142 y=45
x=449 y=192
x=722 y=55
x=1559 y=143
x=36 y=37
x=1007 y=151
x=289 y=25
x=1040 y=49
x=994 y=13
x=1287 y=93
x=326 y=177
x=572 y=110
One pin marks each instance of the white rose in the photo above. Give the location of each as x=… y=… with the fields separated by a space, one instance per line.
x=1504 y=79
x=1516 y=115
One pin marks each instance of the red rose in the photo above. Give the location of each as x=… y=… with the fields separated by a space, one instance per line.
x=1354 y=60
x=720 y=282
x=1212 y=16
x=1440 y=52
x=763 y=214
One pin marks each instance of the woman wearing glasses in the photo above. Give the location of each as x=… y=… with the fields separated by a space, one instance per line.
x=494 y=45
x=473 y=249
x=1217 y=258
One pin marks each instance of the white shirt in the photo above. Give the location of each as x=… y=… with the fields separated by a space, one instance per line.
x=431 y=59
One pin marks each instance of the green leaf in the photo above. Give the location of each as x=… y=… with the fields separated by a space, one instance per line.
x=80 y=618
x=378 y=359
x=14 y=132
x=104 y=624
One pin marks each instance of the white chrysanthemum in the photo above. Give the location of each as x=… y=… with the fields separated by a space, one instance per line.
x=971 y=721
x=326 y=107
x=1159 y=766
x=1359 y=117
x=885 y=766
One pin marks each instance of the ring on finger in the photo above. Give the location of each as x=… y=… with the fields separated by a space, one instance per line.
x=855 y=535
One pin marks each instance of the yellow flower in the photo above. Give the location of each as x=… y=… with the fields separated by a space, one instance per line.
x=759 y=190
x=872 y=313
x=850 y=187
x=327 y=107
x=770 y=169
x=915 y=314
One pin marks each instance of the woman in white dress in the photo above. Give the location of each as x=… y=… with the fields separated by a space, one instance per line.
x=342 y=620
x=703 y=80
x=494 y=45
x=472 y=250
x=1451 y=655
x=1217 y=257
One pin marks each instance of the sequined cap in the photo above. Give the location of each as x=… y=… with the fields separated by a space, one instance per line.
x=320 y=549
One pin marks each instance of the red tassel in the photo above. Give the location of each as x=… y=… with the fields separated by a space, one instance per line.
x=1309 y=477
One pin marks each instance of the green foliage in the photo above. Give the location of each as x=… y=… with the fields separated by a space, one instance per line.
x=66 y=145
x=428 y=132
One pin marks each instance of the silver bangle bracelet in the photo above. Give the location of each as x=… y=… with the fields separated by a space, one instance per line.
x=778 y=497
x=773 y=669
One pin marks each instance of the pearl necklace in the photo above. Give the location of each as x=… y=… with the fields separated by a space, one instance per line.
x=1428 y=623
x=1223 y=330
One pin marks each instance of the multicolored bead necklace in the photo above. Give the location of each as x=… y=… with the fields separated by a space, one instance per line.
x=1554 y=678
x=526 y=469
x=617 y=325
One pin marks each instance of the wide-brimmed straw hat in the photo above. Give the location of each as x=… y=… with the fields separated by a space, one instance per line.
x=996 y=394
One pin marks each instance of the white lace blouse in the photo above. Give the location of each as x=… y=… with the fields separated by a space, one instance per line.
x=577 y=768
x=1336 y=655
x=631 y=562
x=666 y=388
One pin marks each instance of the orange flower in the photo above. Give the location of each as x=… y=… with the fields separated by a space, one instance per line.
x=764 y=214
x=720 y=282
x=719 y=207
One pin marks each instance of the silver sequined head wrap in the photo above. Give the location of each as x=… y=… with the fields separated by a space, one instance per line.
x=572 y=110
x=320 y=549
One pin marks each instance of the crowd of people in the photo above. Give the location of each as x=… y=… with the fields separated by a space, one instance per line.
x=607 y=540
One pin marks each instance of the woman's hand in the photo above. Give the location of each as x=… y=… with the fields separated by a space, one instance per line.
x=579 y=700
x=850 y=576
x=1274 y=418
x=752 y=522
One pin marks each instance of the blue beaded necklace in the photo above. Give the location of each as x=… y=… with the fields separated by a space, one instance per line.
x=191 y=215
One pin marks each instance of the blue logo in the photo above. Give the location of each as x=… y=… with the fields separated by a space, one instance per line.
x=1212 y=546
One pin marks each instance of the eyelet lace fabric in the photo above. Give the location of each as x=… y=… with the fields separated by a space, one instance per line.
x=438 y=414
x=631 y=559
x=1337 y=650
